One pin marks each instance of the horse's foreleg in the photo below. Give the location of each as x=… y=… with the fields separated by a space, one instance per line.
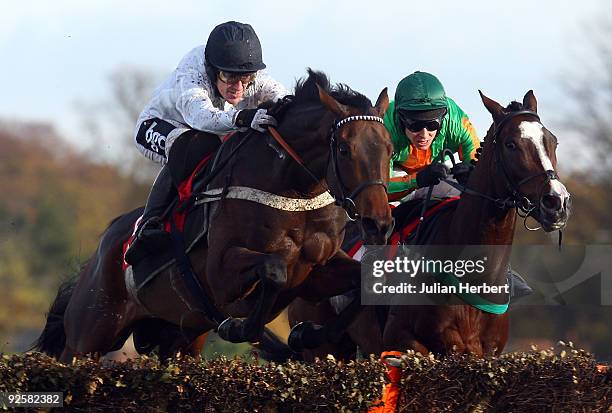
x=67 y=355
x=320 y=313
x=183 y=345
x=340 y=275
x=398 y=334
x=244 y=273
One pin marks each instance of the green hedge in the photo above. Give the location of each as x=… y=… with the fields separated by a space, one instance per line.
x=538 y=381
x=188 y=384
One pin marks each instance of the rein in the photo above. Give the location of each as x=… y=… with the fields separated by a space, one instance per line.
x=346 y=202
x=520 y=201
x=516 y=199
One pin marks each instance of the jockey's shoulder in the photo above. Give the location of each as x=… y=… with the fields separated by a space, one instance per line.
x=454 y=110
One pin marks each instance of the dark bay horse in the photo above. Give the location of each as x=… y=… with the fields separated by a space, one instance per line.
x=515 y=174
x=256 y=258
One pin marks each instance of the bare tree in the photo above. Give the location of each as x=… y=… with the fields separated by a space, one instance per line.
x=131 y=88
x=112 y=122
x=588 y=84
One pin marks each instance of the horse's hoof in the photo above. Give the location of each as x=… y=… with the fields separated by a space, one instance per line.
x=230 y=330
x=302 y=336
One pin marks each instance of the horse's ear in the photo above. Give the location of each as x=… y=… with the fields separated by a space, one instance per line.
x=494 y=108
x=332 y=104
x=382 y=103
x=530 y=102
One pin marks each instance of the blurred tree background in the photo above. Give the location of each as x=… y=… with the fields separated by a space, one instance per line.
x=56 y=201
x=586 y=126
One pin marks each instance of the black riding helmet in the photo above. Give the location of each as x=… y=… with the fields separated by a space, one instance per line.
x=234 y=47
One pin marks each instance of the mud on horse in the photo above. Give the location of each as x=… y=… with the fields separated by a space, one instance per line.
x=516 y=175
x=256 y=258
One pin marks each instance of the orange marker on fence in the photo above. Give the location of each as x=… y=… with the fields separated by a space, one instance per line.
x=391 y=391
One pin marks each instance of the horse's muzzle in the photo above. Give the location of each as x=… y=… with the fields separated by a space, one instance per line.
x=554 y=211
x=376 y=231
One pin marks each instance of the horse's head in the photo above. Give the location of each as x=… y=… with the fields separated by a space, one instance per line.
x=524 y=153
x=358 y=170
x=344 y=141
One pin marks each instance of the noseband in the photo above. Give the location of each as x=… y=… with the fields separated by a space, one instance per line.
x=517 y=199
x=348 y=202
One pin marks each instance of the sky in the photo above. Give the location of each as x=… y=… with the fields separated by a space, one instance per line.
x=57 y=53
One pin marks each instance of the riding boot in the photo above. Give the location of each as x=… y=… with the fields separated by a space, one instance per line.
x=151 y=237
x=518 y=285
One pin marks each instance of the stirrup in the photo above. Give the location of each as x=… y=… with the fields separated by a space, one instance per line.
x=151 y=225
x=151 y=238
x=518 y=285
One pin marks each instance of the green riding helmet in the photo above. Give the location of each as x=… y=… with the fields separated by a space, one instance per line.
x=420 y=96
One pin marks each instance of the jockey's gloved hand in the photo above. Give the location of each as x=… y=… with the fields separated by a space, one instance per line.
x=461 y=172
x=477 y=155
x=432 y=175
x=257 y=119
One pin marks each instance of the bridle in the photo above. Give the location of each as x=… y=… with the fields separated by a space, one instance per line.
x=341 y=199
x=516 y=199
x=348 y=202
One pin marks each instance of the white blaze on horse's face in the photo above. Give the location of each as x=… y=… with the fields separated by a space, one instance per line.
x=534 y=131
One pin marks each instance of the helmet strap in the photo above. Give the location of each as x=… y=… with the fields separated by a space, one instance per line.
x=212 y=73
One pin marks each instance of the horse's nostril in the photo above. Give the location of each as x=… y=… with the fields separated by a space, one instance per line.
x=376 y=227
x=552 y=202
x=370 y=226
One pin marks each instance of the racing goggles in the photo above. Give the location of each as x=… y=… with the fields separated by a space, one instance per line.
x=417 y=125
x=415 y=121
x=231 y=78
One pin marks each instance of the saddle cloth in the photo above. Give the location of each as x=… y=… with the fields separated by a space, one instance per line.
x=192 y=222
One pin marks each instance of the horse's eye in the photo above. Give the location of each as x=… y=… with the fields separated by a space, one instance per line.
x=511 y=145
x=343 y=149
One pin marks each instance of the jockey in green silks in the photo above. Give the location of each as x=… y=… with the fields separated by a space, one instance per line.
x=422 y=122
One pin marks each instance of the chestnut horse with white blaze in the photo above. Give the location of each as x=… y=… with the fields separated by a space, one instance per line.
x=515 y=175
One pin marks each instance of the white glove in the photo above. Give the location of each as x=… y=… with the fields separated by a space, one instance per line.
x=257 y=119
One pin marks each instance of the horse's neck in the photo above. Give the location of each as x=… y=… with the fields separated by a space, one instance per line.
x=313 y=148
x=479 y=221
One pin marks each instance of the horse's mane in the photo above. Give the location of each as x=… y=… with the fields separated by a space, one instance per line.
x=513 y=106
x=306 y=91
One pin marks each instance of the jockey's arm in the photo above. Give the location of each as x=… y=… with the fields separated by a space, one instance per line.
x=269 y=89
x=462 y=136
x=462 y=139
x=400 y=183
x=398 y=196
x=196 y=107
